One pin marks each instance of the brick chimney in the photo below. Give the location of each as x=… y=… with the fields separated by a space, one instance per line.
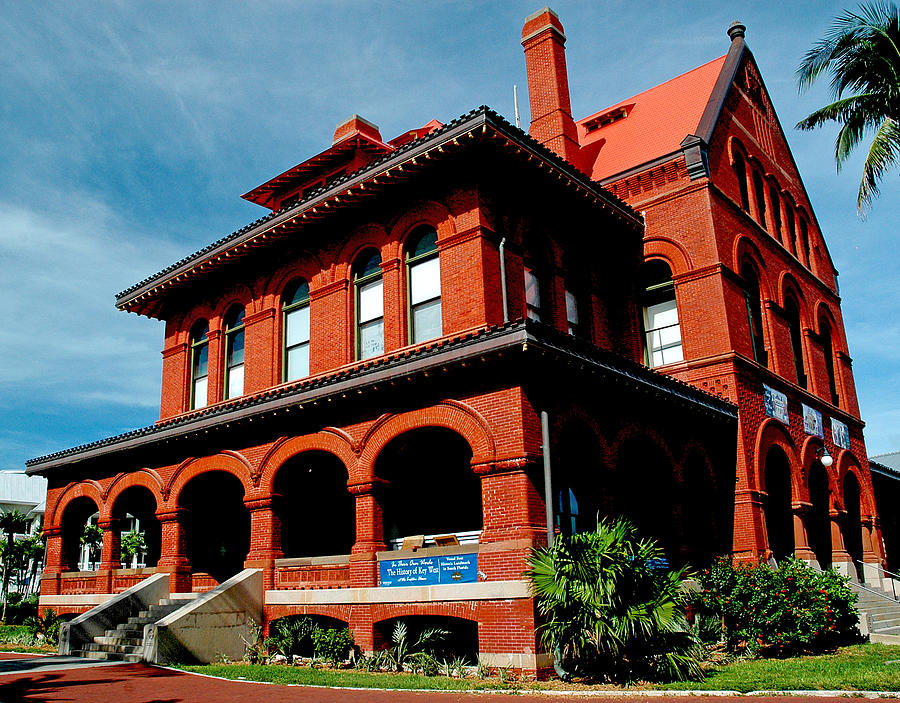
x=356 y=125
x=548 y=84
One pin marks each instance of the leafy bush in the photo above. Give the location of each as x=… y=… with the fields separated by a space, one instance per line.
x=289 y=635
x=18 y=611
x=333 y=644
x=607 y=611
x=415 y=653
x=784 y=610
x=45 y=627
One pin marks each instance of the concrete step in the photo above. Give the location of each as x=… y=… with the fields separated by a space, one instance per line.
x=179 y=598
x=108 y=656
x=138 y=620
x=124 y=641
x=112 y=648
x=884 y=638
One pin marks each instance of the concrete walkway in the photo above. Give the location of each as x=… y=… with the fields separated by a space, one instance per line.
x=69 y=679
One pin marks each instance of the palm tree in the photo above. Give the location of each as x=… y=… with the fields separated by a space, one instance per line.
x=608 y=609
x=12 y=523
x=861 y=52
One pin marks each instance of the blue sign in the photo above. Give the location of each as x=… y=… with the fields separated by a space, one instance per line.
x=428 y=571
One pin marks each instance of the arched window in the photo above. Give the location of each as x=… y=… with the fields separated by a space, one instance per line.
x=792 y=313
x=804 y=242
x=828 y=351
x=754 y=313
x=423 y=275
x=369 y=305
x=776 y=211
x=234 y=352
x=534 y=308
x=740 y=171
x=295 y=308
x=662 y=332
x=759 y=193
x=199 y=364
x=791 y=243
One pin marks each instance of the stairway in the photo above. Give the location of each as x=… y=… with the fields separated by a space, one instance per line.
x=126 y=641
x=878 y=609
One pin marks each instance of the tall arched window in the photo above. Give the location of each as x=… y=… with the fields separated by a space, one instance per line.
x=662 y=332
x=828 y=351
x=759 y=193
x=754 y=313
x=776 y=211
x=423 y=275
x=369 y=304
x=791 y=243
x=295 y=307
x=199 y=364
x=792 y=313
x=804 y=242
x=234 y=352
x=740 y=171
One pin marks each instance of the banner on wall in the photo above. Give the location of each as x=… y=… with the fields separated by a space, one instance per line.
x=776 y=404
x=840 y=434
x=812 y=422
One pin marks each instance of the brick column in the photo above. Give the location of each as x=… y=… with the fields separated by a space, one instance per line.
x=395 y=330
x=54 y=561
x=369 y=534
x=511 y=507
x=802 y=550
x=265 y=539
x=840 y=557
x=173 y=551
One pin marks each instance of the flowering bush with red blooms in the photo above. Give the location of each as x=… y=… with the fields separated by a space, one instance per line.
x=779 y=611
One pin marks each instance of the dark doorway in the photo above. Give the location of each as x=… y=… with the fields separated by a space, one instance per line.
x=217 y=525
x=135 y=510
x=317 y=512
x=779 y=516
x=853 y=521
x=818 y=522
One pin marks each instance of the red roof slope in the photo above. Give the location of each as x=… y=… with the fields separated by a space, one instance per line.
x=657 y=121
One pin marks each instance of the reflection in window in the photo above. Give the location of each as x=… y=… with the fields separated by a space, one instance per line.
x=532 y=295
x=234 y=352
x=740 y=171
x=793 y=319
x=199 y=364
x=295 y=308
x=754 y=313
x=369 y=305
x=662 y=332
x=424 y=281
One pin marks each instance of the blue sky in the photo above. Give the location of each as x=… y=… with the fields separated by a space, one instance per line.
x=128 y=131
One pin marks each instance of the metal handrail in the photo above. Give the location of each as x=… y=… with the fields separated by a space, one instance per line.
x=893 y=577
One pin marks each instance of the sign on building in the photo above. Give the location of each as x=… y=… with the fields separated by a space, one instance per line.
x=812 y=421
x=428 y=571
x=840 y=434
x=776 y=404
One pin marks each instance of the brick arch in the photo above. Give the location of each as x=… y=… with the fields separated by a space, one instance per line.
x=808 y=450
x=230 y=462
x=823 y=312
x=363 y=237
x=306 y=265
x=673 y=253
x=788 y=287
x=235 y=295
x=462 y=610
x=744 y=250
x=425 y=212
x=847 y=463
x=577 y=415
x=736 y=146
x=632 y=433
x=148 y=478
x=773 y=433
x=201 y=312
x=83 y=489
x=452 y=415
x=334 y=442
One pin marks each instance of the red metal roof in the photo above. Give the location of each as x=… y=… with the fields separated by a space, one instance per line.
x=656 y=123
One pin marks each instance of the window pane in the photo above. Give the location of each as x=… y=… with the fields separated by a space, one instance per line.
x=371 y=339
x=571 y=309
x=425 y=280
x=236 y=348
x=426 y=320
x=297 y=362
x=532 y=290
x=371 y=301
x=663 y=333
x=236 y=381
x=201 y=360
x=296 y=326
x=200 y=389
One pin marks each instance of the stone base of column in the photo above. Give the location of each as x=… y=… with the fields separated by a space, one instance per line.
x=812 y=563
x=872 y=574
x=845 y=568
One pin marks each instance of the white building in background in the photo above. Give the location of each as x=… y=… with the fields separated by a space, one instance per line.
x=28 y=495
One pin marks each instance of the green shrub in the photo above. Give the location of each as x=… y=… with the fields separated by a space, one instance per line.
x=18 y=610
x=289 y=636
x=333 y=644
x=783 y=610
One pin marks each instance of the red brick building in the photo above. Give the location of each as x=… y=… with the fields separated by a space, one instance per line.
x=383 y=373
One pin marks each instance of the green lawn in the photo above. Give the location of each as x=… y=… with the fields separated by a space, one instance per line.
x=869 y=667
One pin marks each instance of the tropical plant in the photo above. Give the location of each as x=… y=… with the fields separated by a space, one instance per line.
x=33 y=550
x=608 y=610
x=782 y=610
x=44 y=627
x=414 y=653
x=92 y=536
x=132 y=543
x=861 y=52
x=333 y=644
x=12 y=523
x=289 y=635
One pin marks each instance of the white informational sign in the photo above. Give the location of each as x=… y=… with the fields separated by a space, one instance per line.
x=812 y=422
x=840 y=434
x=776 y=404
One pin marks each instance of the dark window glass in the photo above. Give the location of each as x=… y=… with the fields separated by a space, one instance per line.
x=199 y=364
x=754 y=314
x=804 y=241
x=776 y=211
x=828 y=351
x=759 y=192
x=790 y=244
x=740 y=171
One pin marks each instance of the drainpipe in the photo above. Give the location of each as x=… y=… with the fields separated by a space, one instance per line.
x=503 y=280
x=548 y=481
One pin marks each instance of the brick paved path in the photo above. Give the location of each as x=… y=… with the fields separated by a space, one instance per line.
x=139 y=683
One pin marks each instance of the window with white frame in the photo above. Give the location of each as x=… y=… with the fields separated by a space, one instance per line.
x=295 y=306
x=533 y=302
x=369 y=305
x=234 y=352
x=424 y=281
x=199 y=364
x=662 y=331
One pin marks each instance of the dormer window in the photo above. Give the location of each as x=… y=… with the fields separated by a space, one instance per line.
x=607 y=118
